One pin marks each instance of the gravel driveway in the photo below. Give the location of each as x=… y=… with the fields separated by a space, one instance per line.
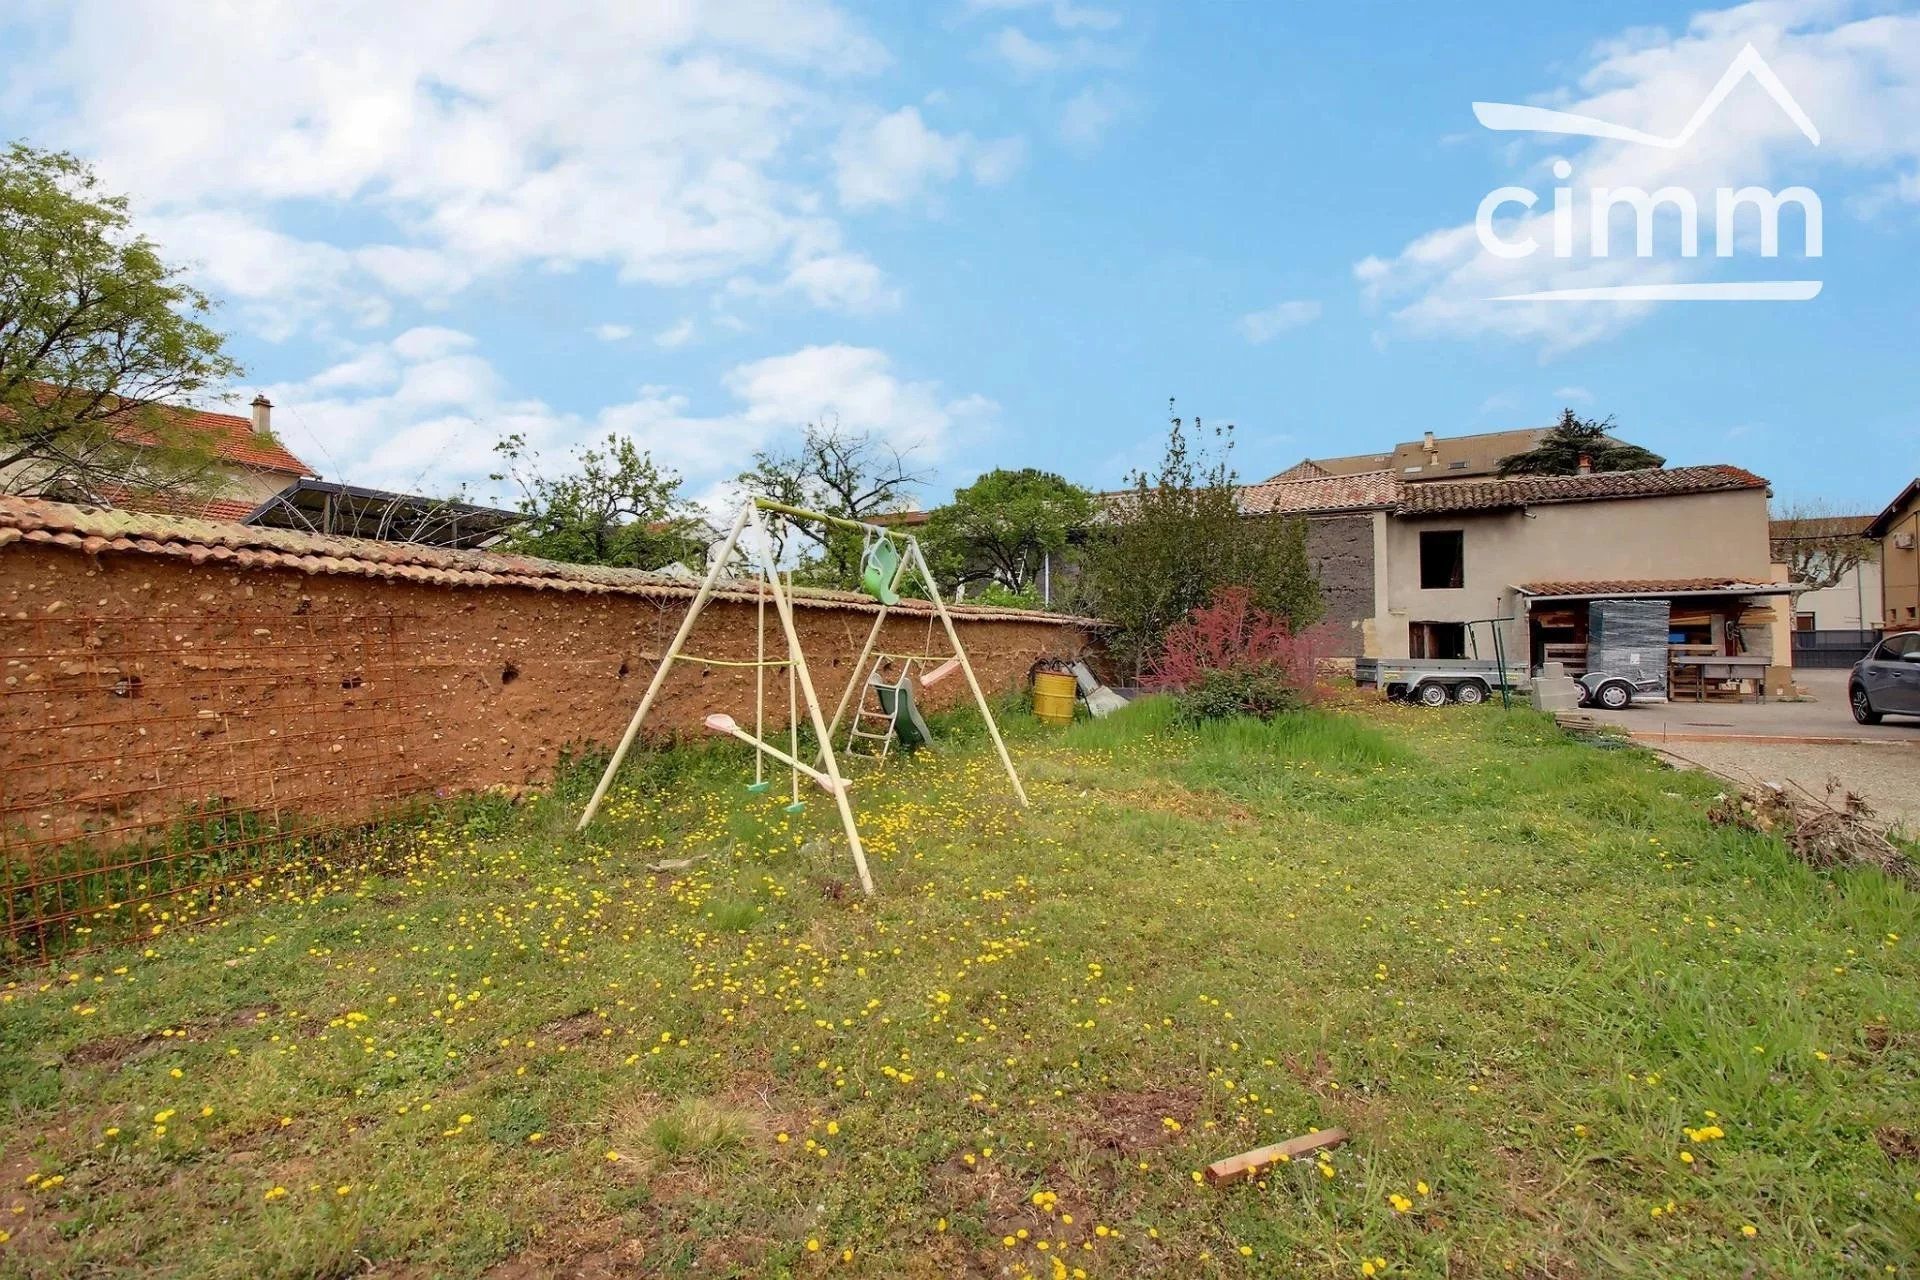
x=1885 y=776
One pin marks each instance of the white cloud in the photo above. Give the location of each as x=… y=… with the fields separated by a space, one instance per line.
x=1857 y=78
x=1270 y=323
x=1573 y=395
x=676 y=335
x=843 y=282
x=1090 y=113
x=612 y=332
x=1025 y=54
x=430 y=342
x=893 y=159
x=1028 y=55
x=426 y=409
x=1065 y=14
x=676 y=143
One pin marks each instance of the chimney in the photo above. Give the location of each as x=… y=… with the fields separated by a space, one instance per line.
x=1433 y=450
x=262 y=415
x=1586 y=464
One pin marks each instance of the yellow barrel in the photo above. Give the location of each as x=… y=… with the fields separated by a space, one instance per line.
x=1053 y=697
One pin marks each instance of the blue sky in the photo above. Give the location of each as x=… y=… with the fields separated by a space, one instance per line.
x=1002 y=232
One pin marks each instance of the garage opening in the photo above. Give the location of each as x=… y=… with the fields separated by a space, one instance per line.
x=1437 y=640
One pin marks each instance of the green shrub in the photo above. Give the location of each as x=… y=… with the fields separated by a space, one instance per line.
x=1262 y=692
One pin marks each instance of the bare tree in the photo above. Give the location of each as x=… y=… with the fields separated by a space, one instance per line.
x=1818 y=546
x=853 y=475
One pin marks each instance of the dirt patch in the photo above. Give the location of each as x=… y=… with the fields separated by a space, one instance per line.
x=1899 y=1144
x=1878 y=1037
x=113 y=1051
x=1001 y=1198
x=574 y=1029
x=597 y=1250
x=35 y=1243
x=1128 y=1120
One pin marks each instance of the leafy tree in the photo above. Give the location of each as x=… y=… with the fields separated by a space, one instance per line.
x=837 y=473
x=1001 y=527
x=1172 y=539
x=1573 y=437
x=1819 y=546
x=97 y=337
x=615 y=506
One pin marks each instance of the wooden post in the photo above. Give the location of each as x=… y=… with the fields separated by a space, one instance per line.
x=1254 y=1163
x=785 y=609
x=666 y=663
x=966 y=665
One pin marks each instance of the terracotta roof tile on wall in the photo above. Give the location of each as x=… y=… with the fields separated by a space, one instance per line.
x=97 y=530
x=1365 y=491
x=1440 y=496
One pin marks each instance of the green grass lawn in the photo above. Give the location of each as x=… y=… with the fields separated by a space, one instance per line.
x=1573 y=1028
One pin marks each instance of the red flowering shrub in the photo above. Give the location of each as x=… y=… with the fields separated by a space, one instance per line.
x=1231 y=658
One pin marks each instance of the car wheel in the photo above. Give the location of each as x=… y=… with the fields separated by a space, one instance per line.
x=1614 y=697
x=1863 y=712
x=1433 y=695
x=1470 y=694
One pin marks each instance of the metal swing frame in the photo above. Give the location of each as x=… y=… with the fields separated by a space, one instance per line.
x=826 y=773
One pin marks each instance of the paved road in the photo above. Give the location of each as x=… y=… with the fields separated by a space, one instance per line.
x=1825 y=716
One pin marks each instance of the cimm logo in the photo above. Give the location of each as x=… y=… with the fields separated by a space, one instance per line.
x=1599 y=239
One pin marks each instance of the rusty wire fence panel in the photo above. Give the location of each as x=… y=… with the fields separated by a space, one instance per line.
x=152 y=766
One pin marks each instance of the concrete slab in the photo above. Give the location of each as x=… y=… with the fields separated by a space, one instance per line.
x=1825 y=718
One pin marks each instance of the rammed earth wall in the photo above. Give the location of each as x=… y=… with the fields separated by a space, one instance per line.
x=148 y=665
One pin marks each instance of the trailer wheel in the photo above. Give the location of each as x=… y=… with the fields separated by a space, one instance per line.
x=1614 y=695
x=1470 y=693
x=1432 y=694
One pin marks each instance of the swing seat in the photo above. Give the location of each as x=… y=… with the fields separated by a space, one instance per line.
x=759 y=788
x=798 y=806
x=909 y=729
x=939 y=673
x=877 y=570
x=720 y=722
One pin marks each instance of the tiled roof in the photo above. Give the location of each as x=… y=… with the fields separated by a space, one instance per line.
x=1644 y=586
x=1819 y=527
x=97 y=530
x=235 y=441
x=170 y=505
x=1524 y=491
x=1883 y=523
x=1365 y=491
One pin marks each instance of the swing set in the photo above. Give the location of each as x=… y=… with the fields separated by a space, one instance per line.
x=881 y=701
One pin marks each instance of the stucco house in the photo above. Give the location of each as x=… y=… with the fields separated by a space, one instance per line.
x=1426 y=568
x=1897 y=529
x=252 y=465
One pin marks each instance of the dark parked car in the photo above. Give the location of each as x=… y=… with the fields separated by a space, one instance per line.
x=1887 y=680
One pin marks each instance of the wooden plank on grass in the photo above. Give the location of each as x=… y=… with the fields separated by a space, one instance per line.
x=1234 y=1168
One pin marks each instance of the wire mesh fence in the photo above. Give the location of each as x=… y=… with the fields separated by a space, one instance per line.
x=150 y=767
